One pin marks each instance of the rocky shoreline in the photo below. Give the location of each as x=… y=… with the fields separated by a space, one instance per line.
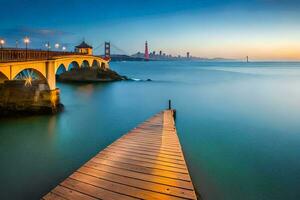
x=90 y=75
x=30 y=111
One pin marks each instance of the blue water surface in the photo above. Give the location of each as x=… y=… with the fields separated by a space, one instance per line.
x=238 y=124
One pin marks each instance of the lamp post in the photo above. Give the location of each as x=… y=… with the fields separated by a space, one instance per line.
x=2 y=42
x=26 y=41
x=47 y=45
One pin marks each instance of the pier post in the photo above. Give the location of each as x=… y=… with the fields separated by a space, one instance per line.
x=170 y=108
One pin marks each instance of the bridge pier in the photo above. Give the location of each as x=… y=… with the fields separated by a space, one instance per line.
x=18 y=99
x=50 y=74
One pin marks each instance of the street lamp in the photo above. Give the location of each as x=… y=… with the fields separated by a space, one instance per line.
x=2 y=42
x=26 y=41
x=56 y=45
x=64 y=48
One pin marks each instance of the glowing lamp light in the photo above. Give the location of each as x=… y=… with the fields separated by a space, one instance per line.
x=2 y=42
x=26 y=40
x=64 y=48
x=47 y=45
x=57 y=45
x=28 y=81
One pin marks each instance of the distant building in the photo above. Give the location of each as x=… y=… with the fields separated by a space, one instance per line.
x=84 y=48
x=146 y=51
x=160 y=53
x=188 y=55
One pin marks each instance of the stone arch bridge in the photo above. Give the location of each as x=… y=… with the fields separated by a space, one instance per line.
x=47 y=68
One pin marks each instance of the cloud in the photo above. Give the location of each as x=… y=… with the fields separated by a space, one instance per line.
x=38 y=36
x=38 y=33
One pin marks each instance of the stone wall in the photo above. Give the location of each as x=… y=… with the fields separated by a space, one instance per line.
x=18 y=98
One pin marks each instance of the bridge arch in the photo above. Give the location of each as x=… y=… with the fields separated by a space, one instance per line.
x=96 y=64
x=37 y=68
x=30 y=75
x=73 y=65
x=3 y=77
x=85 y=64
x=103 y=65
x=29 y=72
x=60 y=69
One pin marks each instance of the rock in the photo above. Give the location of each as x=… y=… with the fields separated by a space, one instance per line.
x=90 y=75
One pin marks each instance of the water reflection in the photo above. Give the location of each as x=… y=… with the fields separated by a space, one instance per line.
x=85 y=90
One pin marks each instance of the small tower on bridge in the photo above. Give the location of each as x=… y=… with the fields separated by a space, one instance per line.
x=84 y=48
x=107 y=49
x=146 y=51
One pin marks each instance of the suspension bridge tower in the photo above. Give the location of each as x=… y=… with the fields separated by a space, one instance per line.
x=146 y=52
x=107 y=49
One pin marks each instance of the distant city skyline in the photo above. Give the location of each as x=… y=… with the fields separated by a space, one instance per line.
x=260 y=29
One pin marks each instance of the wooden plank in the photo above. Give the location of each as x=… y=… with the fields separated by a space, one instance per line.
x=146 y=163
x=157 y=157
x=141 y=163
x=167 y=148
x=120 y=188
x=139 y=145
x=93 y=191
x=150 y=153
x=145 y=160
x=156 y=144
x=146 y=177
x=141 y=149
x=141 y=169
x=138 y=183
x=70 y=194
x=52 y=196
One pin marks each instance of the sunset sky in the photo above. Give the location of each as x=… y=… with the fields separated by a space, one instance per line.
x=262 y=29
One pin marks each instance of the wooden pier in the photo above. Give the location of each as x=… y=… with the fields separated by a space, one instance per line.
x=146 y=163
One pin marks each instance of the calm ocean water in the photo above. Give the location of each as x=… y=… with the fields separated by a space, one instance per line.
x=238 y=124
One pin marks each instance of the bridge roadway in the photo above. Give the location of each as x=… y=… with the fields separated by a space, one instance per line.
x=146 y=163
x=47 y=68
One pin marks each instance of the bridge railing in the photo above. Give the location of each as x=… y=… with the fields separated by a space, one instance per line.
x=7 y=55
